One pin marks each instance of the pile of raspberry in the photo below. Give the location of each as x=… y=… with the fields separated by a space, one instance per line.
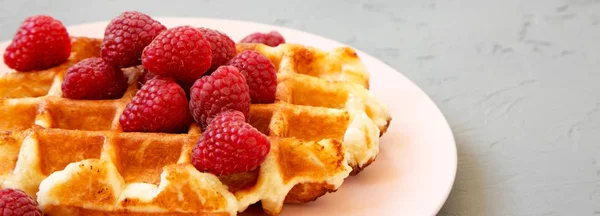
x=190 y=75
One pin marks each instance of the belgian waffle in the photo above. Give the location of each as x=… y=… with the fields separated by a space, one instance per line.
x=74 y=159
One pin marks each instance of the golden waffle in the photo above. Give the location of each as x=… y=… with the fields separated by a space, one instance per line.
x=73 y=157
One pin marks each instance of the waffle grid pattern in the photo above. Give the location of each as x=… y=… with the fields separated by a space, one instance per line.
x=74 y=159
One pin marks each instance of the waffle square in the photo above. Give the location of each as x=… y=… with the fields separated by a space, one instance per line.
x=73 y=157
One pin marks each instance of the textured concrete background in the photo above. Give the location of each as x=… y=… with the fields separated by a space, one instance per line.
x=517 y=80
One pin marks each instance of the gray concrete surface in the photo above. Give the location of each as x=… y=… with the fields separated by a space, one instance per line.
x=517 y=80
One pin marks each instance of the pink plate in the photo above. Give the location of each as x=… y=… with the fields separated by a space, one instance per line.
x=415 y=169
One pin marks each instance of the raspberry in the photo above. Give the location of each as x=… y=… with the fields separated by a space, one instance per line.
x=272 y=38
x=41 y=42
x=224 y=89
x=230 y=145
x=126 y=36
x=222 y=47
x=14 y=202
x=159 y=106
x=259 y=72
x=181 y=52
x=93 y=79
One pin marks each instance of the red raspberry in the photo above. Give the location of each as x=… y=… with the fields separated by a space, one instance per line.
x=14 y=202
x=126 y=36
x=224 y=89
x=93 y=79
x=230 y=145
x=222 y=47
x=272 y=38
x=159 y=106
x=41 y=42
x=181 y=52
x=259 y=72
